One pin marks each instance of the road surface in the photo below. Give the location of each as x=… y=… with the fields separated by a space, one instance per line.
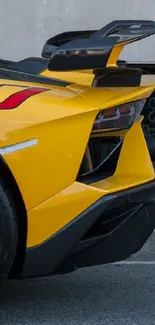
x=113 y=294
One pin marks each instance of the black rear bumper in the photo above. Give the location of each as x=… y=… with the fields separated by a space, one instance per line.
x=110 y=230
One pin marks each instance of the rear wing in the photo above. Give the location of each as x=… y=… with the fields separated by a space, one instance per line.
x=79 y=50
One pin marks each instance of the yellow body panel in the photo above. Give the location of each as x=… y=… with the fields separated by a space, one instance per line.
x=110 y=97
x=43 y=170
x=134 y=168
x=61 y=119
x=52 y=215
x=81 y=77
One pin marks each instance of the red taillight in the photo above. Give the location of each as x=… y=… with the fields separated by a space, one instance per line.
x=119 y=117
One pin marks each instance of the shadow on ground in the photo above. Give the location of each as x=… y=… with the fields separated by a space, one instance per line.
x=110 y=294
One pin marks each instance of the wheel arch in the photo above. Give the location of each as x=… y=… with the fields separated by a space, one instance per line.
x=10 y=182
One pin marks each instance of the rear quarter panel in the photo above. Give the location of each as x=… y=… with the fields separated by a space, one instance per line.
x=61 y=120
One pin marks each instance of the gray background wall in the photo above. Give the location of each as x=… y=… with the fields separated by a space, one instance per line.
x=26 y=24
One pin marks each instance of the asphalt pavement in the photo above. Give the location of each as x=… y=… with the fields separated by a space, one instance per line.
x=122 y=294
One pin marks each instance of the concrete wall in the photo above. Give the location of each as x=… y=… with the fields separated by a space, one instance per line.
x=26 y=24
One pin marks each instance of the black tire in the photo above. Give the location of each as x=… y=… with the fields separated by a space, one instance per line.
x=8 y=232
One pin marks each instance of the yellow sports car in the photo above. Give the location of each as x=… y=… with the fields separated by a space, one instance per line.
x=77 y=183
x=126 y=31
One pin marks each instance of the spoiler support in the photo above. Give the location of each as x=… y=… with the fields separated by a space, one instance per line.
x=92 y=49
